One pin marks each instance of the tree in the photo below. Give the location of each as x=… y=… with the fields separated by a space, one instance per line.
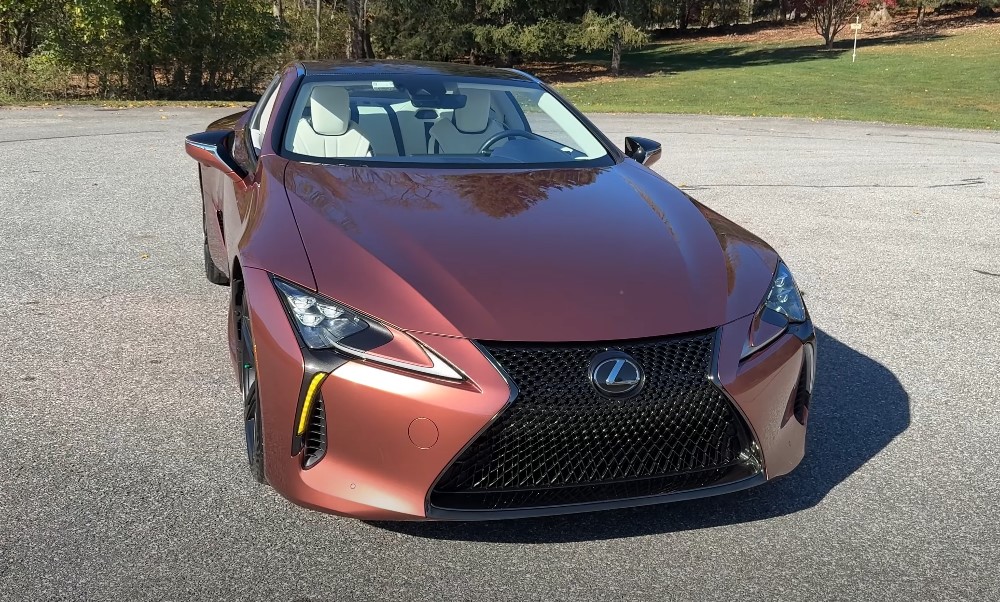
x=830 y=17
x=610 y=32
x=24 y=23
x=359 y=40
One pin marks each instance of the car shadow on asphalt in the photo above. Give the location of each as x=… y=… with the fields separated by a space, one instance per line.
x=858 y=408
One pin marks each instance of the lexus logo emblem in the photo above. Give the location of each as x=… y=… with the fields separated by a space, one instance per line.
x=615 y=374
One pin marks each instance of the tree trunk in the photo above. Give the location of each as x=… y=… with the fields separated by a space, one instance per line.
x=355 y=44
x=616 y=55
x=828 y=19
x=318 y=4
x=196 y=75
x=920 y=15
x=367 y=37
x=278 y=10
x=179 y=79
x=783 y=7
x=356 y=30
x=140 y=79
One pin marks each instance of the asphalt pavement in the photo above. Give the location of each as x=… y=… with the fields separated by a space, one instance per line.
x=122 y=467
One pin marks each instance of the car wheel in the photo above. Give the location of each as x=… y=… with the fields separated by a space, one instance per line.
x=214 y=274
x=252 y=423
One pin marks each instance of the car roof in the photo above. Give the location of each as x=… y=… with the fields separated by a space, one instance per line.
x=383 y=68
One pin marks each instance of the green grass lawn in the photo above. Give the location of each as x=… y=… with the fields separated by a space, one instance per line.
x=949 y=78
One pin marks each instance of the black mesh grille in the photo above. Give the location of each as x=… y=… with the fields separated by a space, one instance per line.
x=314 y=439
x=562 y=442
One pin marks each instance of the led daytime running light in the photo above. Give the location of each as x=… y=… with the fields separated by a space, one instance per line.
x=307 y=403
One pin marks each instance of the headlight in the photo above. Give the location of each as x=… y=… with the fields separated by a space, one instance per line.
x=325 y=324
x=321 y=323
x=782 y=304
x=784 y=297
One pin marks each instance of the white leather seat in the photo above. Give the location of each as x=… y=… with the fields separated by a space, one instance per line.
x=331 y=132
x=465 y=131
x=375 y=125
x=412 y=129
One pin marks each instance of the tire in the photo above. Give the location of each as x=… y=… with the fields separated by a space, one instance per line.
x=252 y=423
x=214 y=274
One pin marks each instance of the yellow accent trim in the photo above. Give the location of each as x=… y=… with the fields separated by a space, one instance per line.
x=307 y=403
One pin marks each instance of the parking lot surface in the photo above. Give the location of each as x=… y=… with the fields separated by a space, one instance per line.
x=122 y=464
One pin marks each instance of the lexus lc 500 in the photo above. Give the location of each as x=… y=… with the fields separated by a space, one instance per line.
x=453 y=297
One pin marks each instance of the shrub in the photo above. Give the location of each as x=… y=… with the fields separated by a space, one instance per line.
x=40 y=76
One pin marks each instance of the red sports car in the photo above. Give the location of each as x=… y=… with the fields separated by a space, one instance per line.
x=452 y=297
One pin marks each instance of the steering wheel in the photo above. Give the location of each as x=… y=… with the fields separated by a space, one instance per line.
x=505 y=135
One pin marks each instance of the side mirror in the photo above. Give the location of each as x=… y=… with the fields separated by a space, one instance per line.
x=643 y=150
x=211 y=148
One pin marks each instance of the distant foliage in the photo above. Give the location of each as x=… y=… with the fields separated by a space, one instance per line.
x=424 y=30
x=505 y=32
x=148 y=48
x=300 y=39
x=205 y=48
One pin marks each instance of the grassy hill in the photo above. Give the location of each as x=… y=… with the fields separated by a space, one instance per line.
x=948 y=76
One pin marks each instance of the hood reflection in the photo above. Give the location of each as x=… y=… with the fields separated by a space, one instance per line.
x=497 y=194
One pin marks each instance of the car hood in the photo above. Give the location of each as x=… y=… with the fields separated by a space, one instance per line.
x=582 y=254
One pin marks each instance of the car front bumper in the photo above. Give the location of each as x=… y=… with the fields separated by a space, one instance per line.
x=391 y=435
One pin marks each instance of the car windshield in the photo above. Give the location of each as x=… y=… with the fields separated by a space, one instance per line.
x=438 y=120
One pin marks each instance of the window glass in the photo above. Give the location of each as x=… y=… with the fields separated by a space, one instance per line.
x=443 y=120
x=568 y=130
x=265 y=107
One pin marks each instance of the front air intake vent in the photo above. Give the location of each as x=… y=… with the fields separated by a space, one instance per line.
x=314 y=439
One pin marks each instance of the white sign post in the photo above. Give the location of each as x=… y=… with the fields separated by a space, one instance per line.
x=856 y=26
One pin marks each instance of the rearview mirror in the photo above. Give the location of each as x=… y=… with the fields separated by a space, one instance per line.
x=445 y=101
x=643 y=150
x=211 y=148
